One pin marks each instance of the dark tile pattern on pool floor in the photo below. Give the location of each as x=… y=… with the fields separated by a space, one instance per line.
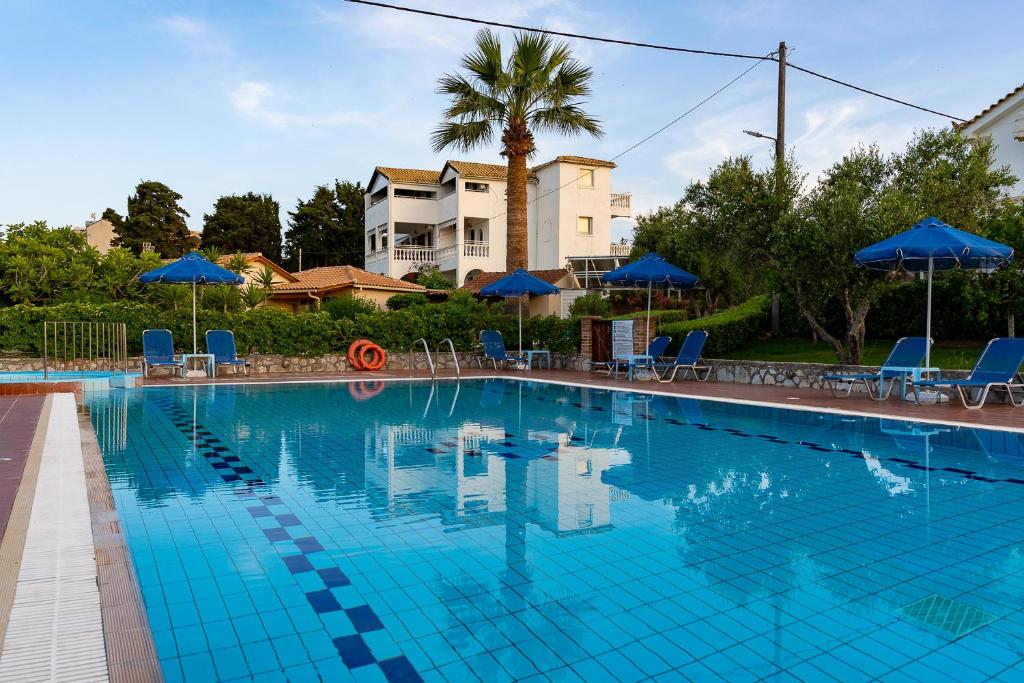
x=352 y=649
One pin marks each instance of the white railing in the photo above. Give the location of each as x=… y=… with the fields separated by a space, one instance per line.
x=448 y=252
x=620 y=249
x=480 y=249
x=621 y=200
x=419 y=254
x=81 y=346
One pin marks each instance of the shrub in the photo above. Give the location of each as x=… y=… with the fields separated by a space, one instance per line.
x=348 y=307
x=590 y=304
x=663 y=316
x=400 y=301
x=728 y=329
x=433 y=279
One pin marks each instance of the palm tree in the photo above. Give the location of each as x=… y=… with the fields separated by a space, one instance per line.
x=537 y=89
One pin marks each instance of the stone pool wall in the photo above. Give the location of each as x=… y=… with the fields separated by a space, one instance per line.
x=801 y=375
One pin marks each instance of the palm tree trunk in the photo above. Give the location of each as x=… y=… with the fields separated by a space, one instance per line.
x=516 y=254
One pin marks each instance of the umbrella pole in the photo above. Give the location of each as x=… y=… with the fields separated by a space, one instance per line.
x=194 y=345
x=520 y=325
x=647 y=331
x=928 y=317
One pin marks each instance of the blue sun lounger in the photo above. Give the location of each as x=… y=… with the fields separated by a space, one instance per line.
x=158 y=351
x=996 y=368
x=221 y=343
x=494 y=350
x=908 y=352
x=688 y=359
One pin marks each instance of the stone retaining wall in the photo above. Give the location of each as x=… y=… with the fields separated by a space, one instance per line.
x=803 y=375
x=335 y=363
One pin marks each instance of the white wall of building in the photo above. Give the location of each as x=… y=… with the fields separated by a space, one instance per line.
x=1005 y=125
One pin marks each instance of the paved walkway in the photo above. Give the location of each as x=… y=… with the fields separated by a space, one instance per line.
x=18 y=418
x=995 y=415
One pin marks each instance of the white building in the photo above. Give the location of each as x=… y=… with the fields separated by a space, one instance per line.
x=455 y=219
x=1003 y=121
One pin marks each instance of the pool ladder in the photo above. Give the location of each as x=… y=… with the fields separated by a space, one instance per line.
x=430 y=358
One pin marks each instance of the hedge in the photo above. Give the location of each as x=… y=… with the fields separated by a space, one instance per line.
x=672 y=315
x=727 y=330
x=277 y=331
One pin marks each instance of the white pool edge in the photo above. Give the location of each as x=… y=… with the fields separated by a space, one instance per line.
x=614 y=387
x=55 y=632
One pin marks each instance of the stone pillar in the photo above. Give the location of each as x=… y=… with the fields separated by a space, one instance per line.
x=640 y=336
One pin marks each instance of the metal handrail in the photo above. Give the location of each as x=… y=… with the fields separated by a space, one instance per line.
x=76 y=345
x=451 y=345
x=426 y=350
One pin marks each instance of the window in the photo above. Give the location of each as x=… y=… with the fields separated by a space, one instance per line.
x=384 y=239
x=373 y=242
x=585 y=225
x=586 y=177
x=477 y=187
x=415 y=194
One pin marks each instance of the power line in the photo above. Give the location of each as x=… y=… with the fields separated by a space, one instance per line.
x=581 y=36
x=652 y=46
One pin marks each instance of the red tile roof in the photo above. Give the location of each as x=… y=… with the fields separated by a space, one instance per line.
x=484 y=279
x=337 y=277
x=990 y=107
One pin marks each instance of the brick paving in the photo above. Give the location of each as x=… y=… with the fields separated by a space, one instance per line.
x=18 y=418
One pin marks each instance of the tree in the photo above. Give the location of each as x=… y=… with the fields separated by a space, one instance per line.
x=537 y=89
x=114 y=218
x=1007 y=283
x=250 y=222
x=328 y=228
x=434 y=279
x=154 y=217
x=40 y=265
x=117 y=276
x=865 y=198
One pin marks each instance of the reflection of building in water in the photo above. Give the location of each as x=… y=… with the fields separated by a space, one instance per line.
x=459 y=473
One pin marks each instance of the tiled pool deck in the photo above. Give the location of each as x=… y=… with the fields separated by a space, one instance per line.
x=128 y=641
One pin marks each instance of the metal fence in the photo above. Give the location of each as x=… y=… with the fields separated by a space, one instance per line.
x=84 y=346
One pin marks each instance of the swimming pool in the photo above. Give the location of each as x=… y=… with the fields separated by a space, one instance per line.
x=91 y=380
x=500 y=529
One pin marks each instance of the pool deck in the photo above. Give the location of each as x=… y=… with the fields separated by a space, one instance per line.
x=993 y=415
x=18 y=418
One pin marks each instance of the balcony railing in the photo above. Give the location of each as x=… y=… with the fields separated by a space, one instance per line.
x=471 y=249
x=417 y=254
x=620 y=249
x=621 y=200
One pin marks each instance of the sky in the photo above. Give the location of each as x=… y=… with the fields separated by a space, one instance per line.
x=215 y=98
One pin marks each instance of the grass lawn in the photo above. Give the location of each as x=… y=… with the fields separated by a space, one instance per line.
x=952 y=356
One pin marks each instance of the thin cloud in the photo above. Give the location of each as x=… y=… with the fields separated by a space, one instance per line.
x=256 y=100
x=195 y=34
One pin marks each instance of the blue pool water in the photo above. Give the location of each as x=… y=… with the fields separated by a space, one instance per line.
x=500 y=530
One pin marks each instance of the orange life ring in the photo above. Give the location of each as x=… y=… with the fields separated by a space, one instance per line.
x=364 y=391
x=353 y=358
x=378 y=359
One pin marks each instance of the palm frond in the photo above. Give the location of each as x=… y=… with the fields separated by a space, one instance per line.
x=462 y=135
x=485 y=62
x=567 y=119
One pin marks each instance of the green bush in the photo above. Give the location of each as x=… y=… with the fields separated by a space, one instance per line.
x=400 y=301
x=348 y=307
x=277 y=331
x=590 y=304
x=675 y=315
x=728 y=329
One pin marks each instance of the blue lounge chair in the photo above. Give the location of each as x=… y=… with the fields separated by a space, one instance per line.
x=655 y=349
x=494 y=350
x=997 y=368
x=221 y=343
x=158 y=351
x=908 y=352
x=688 y=359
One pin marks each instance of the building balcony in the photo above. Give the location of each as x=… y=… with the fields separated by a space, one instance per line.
x=448 y=256
x=619 y=249
x=621 y=204
x=415 y=254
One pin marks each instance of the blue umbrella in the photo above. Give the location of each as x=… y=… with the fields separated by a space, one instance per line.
x=518 y=283
x=651 y=270
x=929 y=246
x=192 y=269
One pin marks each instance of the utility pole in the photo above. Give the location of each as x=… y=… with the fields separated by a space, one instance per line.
x=780 y=160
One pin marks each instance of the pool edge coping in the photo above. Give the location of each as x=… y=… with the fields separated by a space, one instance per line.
x=130 y=649
x=611 y=387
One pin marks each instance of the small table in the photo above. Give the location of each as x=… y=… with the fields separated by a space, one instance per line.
x=530 y=353
x=641 y=360
x=904 y=372
x=208 y=363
